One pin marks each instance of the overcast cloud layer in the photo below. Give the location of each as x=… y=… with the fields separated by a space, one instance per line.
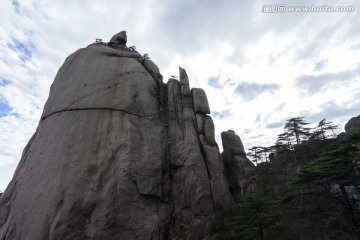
x=258 y=69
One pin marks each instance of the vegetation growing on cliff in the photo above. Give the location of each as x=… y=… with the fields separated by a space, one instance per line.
x=255 y=218
x=306 y=188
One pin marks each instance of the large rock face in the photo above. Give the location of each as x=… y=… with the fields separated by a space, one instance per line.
x=117 y=154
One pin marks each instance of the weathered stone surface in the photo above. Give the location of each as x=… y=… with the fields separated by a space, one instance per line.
x=231 y=140
x=184 y=82
x=200 y=123
x=93 y=79
x=353 y=125
x=96 y=158
x=198 y=193
x=237 y=151
x=77 y=188
x=119 y=38
x=238 y=167
x=154 y=71
x=117 y=155
x=216 y=170
x=209 y=130
x=206 y=127
x=201 y=104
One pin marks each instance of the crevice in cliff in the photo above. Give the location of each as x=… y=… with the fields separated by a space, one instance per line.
x=107 y=109
x=138 y=106
x=203 y=153
x=164 y=117
x=167 y=178
x=135 y=56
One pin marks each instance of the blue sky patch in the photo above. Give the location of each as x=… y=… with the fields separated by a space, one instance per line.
x=214 y=82
x=320 y=65
x=16 y=6
x=315 y=83
x=249 y=90
x=4 y=108
x=221 y=114
x=4 y=82
x=25 y=49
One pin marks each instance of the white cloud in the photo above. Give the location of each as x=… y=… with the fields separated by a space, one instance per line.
x=233 y=41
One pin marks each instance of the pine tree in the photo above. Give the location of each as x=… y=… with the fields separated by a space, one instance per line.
x=284 y=140
x=334 y=167
x=323 y=127
x=255 y=153
x=296 y=127
x=264 y=151
x=255 y=218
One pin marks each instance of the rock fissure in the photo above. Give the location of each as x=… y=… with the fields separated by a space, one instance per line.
x=209 y=174
x=122 y=55
x=107 y=109
x=138 y=106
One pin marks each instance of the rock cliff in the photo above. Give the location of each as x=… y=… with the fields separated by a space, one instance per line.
x=117 y=154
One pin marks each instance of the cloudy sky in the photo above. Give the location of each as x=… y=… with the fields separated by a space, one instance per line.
x=257 y=68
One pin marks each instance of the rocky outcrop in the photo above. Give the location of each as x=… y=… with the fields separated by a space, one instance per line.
x=197 y=171
x=353 y=125
x=119 y=38
x=239 y=168
x=117 y=154
x=201 y=104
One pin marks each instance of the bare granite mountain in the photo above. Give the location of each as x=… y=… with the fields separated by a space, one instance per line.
x=117 y=154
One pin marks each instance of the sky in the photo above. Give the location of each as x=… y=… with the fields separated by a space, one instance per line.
x=260 y=62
